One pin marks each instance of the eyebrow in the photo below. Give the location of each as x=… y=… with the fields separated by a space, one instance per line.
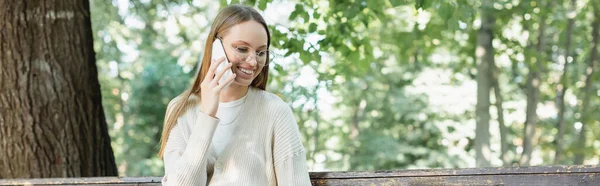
x=246 y=43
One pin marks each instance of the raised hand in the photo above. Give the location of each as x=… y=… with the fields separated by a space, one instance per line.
x=210 y=89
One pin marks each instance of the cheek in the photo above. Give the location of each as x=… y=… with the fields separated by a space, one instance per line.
x=259 y=71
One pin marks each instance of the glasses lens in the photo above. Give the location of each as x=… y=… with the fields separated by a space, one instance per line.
x=261 y=57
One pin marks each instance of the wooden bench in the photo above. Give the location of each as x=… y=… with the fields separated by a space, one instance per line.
x=545 y=176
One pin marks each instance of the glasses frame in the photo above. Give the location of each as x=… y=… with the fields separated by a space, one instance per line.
x=268 y=53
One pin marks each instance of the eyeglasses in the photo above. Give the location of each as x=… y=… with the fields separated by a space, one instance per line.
x=242 y=53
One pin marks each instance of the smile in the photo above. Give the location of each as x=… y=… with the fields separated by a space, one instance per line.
x=246 y=71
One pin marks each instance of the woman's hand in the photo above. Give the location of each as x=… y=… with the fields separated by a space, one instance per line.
x=210 y=89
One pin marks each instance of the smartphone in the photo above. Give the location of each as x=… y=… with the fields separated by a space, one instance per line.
x=218 y=51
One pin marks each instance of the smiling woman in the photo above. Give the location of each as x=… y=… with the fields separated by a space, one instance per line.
x=214 y=135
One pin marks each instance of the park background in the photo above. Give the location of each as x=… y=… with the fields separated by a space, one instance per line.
x=374 y=84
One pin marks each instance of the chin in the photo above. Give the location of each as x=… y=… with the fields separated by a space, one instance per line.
x=242 y=82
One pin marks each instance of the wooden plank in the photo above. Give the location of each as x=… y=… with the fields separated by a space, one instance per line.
x=546 y=176
x=464 y=172
x=83 y=181
x=582 y=179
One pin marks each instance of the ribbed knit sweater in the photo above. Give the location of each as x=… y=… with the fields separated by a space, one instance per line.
x=265 y=148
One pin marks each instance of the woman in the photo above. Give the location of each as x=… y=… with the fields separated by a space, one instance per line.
x=240 y=135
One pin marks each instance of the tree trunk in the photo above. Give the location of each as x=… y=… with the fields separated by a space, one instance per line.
x=356 y=117
x=500 y=111
x=533 y=98
x=51 y=118
x=588 y=91
x=485 y=58
x=561 y=89
x=532 y=91
x=317 y=118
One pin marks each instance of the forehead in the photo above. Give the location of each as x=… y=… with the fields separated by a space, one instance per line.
x=250 y=32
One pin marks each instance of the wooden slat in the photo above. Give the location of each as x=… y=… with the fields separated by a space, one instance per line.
x=544 y=176
x=464 y=172
x=583 y=179
x=83 y=181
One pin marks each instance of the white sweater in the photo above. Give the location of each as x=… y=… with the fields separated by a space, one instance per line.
x=227 y=113
x=265 y=148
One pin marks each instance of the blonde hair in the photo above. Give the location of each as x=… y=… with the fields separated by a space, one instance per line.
x=227 y=18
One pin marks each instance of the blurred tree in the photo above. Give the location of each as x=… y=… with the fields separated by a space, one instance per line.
x=586 y=112
x=374 y=84
x=500 y=111
x=532 y=86
x=564 y=84
x=144 y=64
x=51 y=115
x=485 y=60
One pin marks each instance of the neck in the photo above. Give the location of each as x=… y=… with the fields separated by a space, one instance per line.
x=233 y=92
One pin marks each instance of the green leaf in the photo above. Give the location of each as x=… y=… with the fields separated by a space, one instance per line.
x=452 y=23
x=423 y=4
x=312 y=28
x=262 y=4
x=316 y=56
x=278 y=68
x=305 y=57
x=396 y=3
x=305 y=16
x=298 y=10
x=293 y=15
x=446 y=11
x=302 y=31
x=372 y=4
x=316 y=15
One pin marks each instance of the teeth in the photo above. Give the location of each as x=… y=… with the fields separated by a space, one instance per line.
x=246 y=71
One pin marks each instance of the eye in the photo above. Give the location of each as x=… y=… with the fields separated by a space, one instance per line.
x=241 y=49
x=261 y=53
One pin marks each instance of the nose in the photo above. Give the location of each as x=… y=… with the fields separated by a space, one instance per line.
x=252 y=60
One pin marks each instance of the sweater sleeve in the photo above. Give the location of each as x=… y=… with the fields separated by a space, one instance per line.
x=185 y=162
x=289 y=155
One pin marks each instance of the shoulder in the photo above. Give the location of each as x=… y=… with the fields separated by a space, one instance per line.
x=181 y=99
x=187 y=105
x=278 y=111
x=270 y=101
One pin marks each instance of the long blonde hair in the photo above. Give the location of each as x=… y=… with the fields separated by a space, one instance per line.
x=227 y=18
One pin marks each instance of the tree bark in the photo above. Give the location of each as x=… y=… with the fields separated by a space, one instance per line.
x=317 y=118
x=532 y=91
x=561 y=89
x=51 y=118
x=356 y=117
x=485 y=58
x=500 y=111
x=588 y=90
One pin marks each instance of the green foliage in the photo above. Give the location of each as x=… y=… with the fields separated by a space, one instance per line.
x=373 y=84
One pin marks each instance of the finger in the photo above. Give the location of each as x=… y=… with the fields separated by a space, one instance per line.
x=229 y=80
x=209 y=75
x=220 y=74
x=212 y=68
x=215 y=63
